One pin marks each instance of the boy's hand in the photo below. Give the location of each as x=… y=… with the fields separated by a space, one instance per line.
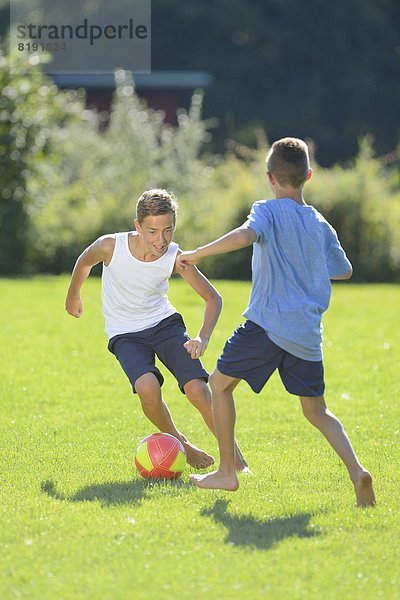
x=191 y=257
x=196 y=347
x=74 y=306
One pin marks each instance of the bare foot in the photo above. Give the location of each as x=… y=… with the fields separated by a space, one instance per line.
x=216 y=481
x=197 y=458
x=364 y=491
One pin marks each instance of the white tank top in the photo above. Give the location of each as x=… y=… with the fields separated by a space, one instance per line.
x=134 y=292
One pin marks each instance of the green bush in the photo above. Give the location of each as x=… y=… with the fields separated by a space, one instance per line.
x=361 y=200
x=237 y=182
x=363 y=205
x=65 y=181
x=31 y=109
x=92 y=186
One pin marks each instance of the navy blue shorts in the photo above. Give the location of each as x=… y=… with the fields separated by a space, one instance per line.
x=250 y=355
x=136 y=352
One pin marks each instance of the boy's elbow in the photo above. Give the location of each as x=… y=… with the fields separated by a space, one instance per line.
x=218 y=300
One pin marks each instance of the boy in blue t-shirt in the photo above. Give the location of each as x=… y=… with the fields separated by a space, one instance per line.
x=296 y=253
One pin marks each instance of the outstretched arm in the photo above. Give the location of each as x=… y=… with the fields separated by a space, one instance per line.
x=213 y=305
x=234 y=240
x=100 y=251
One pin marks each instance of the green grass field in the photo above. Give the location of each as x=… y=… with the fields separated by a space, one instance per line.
x=77 y=522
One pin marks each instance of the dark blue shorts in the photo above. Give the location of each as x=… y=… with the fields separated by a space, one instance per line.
x=136 y=352
x=250 y=355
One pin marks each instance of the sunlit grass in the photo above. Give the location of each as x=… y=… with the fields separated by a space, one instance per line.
x=78 y=522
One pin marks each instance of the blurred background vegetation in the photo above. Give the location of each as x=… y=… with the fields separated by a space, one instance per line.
x=328 y=73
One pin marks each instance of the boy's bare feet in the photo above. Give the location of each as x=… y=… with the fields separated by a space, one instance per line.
x=216 y=481
x=197 y=458
x=364 y=491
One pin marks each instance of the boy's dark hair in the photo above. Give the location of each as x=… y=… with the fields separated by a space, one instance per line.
x=156 y=202
x=289 y=162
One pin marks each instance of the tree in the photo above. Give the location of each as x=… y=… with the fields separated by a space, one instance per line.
x=66 y=181
x=30 y=108
x=326 y=71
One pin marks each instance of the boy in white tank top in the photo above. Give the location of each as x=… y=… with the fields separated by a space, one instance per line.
x=140 y=321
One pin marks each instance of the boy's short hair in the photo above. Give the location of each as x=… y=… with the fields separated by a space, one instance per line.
x=156 y=202
x=289 y=162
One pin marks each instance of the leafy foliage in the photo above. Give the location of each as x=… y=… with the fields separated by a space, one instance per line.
x=66 y=180
x=327 y=70
x=31 y=108
x=364 y=206
x=361 y=200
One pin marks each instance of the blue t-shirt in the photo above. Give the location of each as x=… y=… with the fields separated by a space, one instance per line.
x=295 y=254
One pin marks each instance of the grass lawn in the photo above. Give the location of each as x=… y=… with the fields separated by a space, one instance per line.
x=77 y=521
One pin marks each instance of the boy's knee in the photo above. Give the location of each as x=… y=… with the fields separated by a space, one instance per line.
x=313 y=409
x=148 y=389
x=197 y=392
x=220 y=382
x=214 y=380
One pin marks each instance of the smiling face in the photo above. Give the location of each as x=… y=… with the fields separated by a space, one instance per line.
x=156 y=233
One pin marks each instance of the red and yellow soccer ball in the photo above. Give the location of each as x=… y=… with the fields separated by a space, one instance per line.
x=160 y=456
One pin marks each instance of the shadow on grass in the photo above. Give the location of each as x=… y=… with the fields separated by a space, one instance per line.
x=246 y=530
x=115 y=492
